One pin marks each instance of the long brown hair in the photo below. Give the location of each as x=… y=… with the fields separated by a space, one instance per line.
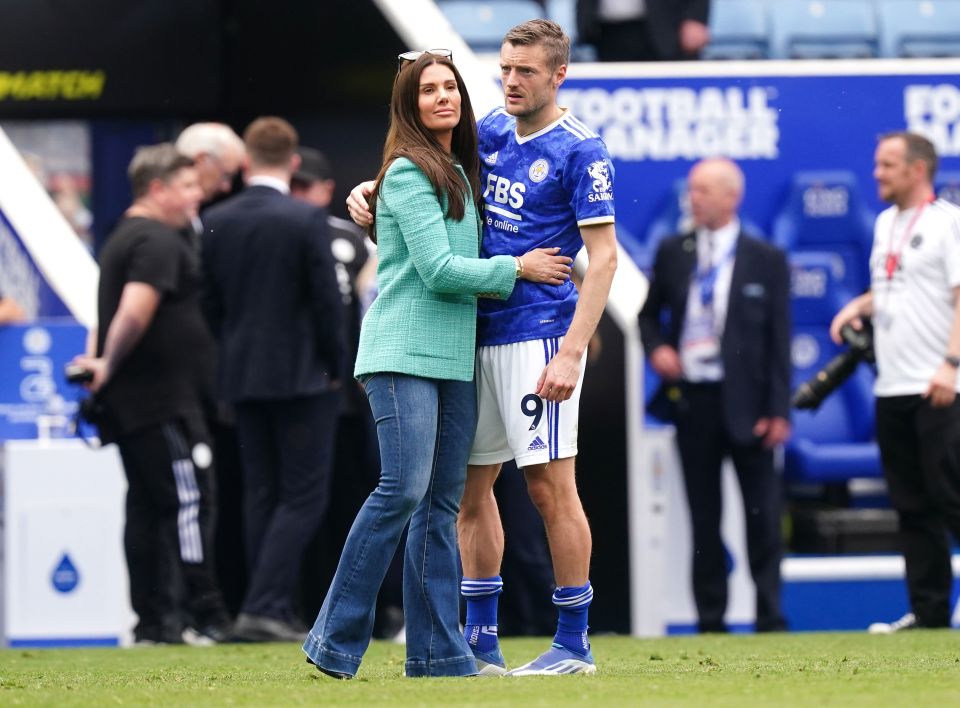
x=408 y=137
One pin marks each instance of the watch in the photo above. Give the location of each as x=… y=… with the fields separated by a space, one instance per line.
x=954 y=361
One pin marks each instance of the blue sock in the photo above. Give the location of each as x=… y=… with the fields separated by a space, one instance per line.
x=573 y=604
x=481 y=595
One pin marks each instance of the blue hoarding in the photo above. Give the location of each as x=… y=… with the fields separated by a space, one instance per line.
x=774 y=124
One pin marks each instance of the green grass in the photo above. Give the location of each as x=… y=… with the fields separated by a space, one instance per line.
x=921 y=668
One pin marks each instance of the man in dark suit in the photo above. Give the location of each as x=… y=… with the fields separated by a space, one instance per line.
x=644 y=30
x=273 y=302
x=716 y=327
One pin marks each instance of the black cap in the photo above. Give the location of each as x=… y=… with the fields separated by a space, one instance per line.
x=314 y=166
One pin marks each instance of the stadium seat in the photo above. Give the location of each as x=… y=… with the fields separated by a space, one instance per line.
x=919 y=28
x=823 y=29
x=947 y=186
x=738 y=30
x=824 y=211
x=835 y=442
x=483 y=24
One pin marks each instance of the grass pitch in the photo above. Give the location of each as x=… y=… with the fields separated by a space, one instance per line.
x=918 y=667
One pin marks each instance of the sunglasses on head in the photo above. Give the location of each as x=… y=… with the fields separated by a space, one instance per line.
x=412 y=56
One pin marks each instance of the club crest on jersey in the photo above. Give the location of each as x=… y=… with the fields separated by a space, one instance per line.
x=539 y=170
x=491 y=159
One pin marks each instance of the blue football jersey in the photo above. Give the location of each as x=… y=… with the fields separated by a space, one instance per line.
x=538 y=190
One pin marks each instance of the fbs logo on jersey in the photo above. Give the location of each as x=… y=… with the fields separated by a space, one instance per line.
x=602 y=186
x=539 y=170
x=537 y=444
x=491 y=159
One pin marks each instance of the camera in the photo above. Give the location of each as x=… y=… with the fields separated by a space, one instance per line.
x=77 y=374
x=810 y=394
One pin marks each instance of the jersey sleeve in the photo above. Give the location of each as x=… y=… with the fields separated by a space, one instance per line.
x=153 y=260
x=952 y=251
x=588 y=178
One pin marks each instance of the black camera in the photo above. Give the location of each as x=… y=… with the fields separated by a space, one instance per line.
x=810 y=394
x=77 y=374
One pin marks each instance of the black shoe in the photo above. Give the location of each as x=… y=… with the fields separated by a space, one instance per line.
x=259 y=628
x=339 y=675
x=151 y=636
x=208 y=634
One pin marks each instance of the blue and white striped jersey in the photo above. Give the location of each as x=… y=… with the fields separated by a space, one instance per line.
x=538 y=190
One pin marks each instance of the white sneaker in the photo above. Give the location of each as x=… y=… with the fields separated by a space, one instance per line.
x=556 y=661
x=908 y=621
x=194 y=638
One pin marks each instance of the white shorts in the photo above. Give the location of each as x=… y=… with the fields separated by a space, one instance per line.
x=514 y=423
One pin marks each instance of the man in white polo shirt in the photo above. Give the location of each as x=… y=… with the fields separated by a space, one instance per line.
x=914 y=301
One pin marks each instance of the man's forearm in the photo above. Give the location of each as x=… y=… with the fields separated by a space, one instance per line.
x=865 y=304
x=593 y=300
x=953 y=344
x=123 y=335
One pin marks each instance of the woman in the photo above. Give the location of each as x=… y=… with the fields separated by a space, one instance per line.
x=415 y=361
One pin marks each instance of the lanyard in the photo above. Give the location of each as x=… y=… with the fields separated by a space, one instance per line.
x=893 y=257
x=707 y=277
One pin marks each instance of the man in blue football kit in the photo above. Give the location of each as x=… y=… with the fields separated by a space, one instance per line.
x=547 y=182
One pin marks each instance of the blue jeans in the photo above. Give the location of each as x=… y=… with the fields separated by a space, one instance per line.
x=425 y=428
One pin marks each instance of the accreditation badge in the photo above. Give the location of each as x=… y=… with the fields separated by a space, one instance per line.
x=700 y=339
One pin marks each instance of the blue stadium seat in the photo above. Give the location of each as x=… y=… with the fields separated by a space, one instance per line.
x=823 y=29
x=738 y=30
x=834 y=443
x=947 y=186
x=824 y=211
x=483 y=24
x=919 y=28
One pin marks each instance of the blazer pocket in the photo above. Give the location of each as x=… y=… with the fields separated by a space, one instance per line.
x=754 y=310
x=441 y=329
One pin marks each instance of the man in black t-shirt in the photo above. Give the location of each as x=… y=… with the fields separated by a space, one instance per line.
x=144 y=374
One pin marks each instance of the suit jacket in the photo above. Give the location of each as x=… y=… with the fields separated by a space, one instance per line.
x=663 y=19
x=271 y=296
x=424 y=320
x=755 y=346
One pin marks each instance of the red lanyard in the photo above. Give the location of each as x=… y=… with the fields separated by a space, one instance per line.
x=893 y=257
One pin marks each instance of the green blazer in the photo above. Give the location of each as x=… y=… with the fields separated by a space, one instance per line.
x=424 y=319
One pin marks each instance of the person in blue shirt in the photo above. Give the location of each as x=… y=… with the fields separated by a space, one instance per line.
x=547 y=180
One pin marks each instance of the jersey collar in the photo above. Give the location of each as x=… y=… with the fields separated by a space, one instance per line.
x=545 y=129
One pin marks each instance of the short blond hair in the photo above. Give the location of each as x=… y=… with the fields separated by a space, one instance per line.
x=545 y=33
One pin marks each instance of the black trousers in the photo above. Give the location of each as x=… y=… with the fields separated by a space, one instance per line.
x=287 y=448
x=168 y=537
x=703 y=442
x=920 y=449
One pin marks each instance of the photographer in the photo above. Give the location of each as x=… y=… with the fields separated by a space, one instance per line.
x=143 y=374
x=914 y=302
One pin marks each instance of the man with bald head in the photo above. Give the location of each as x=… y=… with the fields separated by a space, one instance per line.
x=723 y=354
